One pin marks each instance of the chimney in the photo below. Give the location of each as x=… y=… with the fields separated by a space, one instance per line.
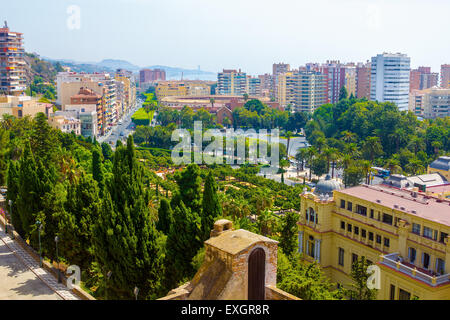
x=220 y=227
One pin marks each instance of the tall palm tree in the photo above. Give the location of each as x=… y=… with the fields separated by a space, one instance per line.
x=393 y=165
x=301 y=156
x=366 y=165
x=311 y=153
x=289 y=135
x=348 y=136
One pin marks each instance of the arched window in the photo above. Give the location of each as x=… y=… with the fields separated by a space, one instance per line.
x=313 y=217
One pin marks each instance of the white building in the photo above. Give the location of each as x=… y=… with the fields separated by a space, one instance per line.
x=390 y=79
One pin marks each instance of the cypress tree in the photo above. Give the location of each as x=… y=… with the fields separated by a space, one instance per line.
x=97 y=170
x=165 y=216
x=190 y=186
x=183 y=243
x=4 y=141
x=289 y=231
x=211 y=206
x=13 y=190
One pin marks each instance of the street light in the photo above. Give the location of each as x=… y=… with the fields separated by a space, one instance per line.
x=108 y=276
x=39 y=224
x=136 y=292
x=10 y=213
x=57 y=259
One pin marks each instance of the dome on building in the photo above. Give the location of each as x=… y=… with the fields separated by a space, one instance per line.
x=327 y=186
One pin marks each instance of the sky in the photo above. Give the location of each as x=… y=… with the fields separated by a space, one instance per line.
x=246 y=34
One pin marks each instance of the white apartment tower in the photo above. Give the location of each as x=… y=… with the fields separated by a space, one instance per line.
x=390 y=79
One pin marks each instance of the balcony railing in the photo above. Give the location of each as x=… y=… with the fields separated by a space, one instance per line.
x=393 y=260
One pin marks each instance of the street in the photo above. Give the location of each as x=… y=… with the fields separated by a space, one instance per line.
x=123 y=129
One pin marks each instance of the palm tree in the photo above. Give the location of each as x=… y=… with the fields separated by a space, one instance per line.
x=393 y=165
x=212 y=101
x=366 y=165
x=245 y=97
x=348 y=136
x=289 y=135
x=320 y=143
x=301 y=156
x=311 y=153
x=372 y=148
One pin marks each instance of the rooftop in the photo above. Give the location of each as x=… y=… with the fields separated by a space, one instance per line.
x=421 y=205
x=237 y=241
x=442 y=163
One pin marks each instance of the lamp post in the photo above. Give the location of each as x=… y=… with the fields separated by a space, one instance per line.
x=39 y=224
x=108 y=276
x=136 y=292
x=10 y=213
x=57 y=259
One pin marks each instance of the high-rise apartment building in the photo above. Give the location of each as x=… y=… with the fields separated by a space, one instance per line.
x=390 y=79
x=430 y=103
x=422 y=78
x=335 y=74
x=305 y=91
x=350 y=79
x=363 y=80
x=129 y=88
x=254 y=86
x=12 y=62
x=232 y=83
x=445 y=76
x=277 y=69
x=151 y=75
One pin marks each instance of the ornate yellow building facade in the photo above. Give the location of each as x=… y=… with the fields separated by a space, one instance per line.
x=402 y=232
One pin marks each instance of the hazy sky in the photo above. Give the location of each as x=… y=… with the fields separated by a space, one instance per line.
x=246 y=34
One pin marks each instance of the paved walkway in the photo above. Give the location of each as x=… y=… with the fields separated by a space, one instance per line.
x=21 y=278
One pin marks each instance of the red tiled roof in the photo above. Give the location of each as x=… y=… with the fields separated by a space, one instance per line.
x=422 y=206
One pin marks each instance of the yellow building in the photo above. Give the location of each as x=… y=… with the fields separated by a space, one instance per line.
x=442 y=166
x=182 y=89
x=403 y=232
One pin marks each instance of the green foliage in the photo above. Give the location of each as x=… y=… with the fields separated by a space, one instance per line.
x=358 y=289
x=289 y=232
x=211 y=208
x=305 y=281
x=165 y=216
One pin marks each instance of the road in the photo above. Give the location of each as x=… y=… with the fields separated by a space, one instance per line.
x=126 y=128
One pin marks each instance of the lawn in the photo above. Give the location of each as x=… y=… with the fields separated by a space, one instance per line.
x=141 y=118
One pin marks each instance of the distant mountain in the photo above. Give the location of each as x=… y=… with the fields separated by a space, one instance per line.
x=188 y=74
x=111 y=65
x=119 y=64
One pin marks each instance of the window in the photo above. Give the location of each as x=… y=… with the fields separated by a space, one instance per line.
x=443 y=236
x=342 y=204
x=349 y=206
x=378 y=239
x=363 y=233
x=310 y=247
x=354 y=258
x=428 y=232
x=412 y=255
x=440 y=266
x=356 y=230
x=341 y=257
x=361 y=210
x=387 y=218
x=371 y=213
x=343 y=225
x=416 y=228
x=349 y=227
x=386 y=242
x=392 y=292
x=371 y=236
x=425 y=260
x=404 y=295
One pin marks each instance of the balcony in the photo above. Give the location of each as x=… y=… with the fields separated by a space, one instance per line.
x=394 y=261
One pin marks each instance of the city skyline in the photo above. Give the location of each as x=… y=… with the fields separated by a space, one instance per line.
x=177 y=29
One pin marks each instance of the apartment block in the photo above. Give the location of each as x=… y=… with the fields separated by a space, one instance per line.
x=445 y=76
x=277 y=69
x=152 y=75
x=128 y=98
x=22 y=106
x=87 y=101
x=305 y=91
x=350 y=79
x=182 y=89
x=232 y=83
x=254 y=86
x=430 y=103
x=422 y=78
x=402 y=232
x=12 y=62
x=390 y=79
x=363 y=71
x=66 y=124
